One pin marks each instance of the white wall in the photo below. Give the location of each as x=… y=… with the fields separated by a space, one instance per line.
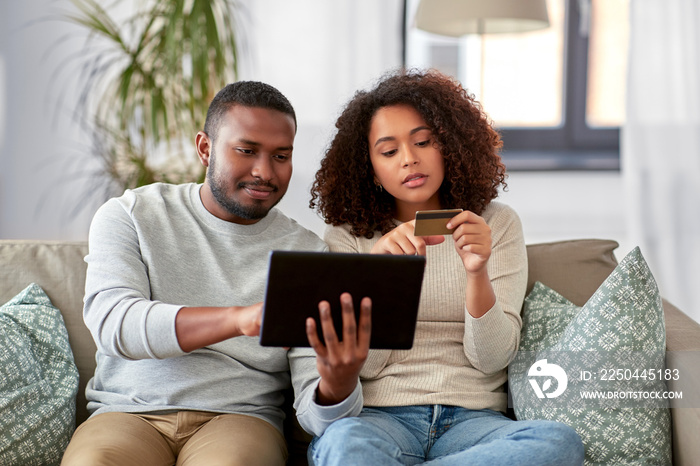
x=569 y=205
x=41 y=162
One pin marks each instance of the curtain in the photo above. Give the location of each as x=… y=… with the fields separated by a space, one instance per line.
x=661 y=145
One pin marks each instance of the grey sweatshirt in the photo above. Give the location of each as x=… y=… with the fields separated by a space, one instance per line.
x=157 y=249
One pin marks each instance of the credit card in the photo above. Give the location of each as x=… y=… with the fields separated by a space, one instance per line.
x=434 y=222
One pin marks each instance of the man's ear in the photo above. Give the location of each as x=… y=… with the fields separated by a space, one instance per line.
x=203 y=144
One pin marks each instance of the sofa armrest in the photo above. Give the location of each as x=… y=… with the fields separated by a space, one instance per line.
x=682 y=332
x=683 y=353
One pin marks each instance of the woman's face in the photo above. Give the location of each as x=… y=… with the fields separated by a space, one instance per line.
x=406 y=160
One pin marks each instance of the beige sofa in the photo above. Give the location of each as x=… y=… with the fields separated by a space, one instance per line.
x=573 y=268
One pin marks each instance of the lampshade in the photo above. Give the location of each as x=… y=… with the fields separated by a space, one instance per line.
x=459 y=17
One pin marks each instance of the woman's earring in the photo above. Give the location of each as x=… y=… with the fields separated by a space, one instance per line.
x=378 y=185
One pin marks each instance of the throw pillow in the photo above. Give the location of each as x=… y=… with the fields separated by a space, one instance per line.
x=38 y=381
x=599 y=368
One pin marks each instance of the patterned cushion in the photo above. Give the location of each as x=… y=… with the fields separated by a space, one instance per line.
x=38 y=381
x=599 y=368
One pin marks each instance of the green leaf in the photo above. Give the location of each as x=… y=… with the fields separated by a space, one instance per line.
x=132 y=84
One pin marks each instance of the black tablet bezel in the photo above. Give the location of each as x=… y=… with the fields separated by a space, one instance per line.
x=299 y=280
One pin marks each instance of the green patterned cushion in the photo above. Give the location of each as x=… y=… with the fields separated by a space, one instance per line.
x=38 y=381
x=599 y=368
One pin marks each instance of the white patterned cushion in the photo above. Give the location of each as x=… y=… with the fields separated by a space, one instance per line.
x=599 y=347
x=38 y=381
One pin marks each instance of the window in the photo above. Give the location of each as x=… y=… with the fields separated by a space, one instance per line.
x=556 y=95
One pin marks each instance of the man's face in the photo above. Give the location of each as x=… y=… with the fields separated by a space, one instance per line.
x=249 y=163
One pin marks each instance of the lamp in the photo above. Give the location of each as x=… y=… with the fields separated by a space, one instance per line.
x=459 y=17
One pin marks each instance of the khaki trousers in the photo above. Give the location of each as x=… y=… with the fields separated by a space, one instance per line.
x=184 y=438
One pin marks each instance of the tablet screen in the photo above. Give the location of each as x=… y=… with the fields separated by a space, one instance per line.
x=298 y=280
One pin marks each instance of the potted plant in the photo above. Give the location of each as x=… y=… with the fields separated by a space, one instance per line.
x=147 y=75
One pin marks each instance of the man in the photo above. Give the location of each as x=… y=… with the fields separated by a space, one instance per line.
x=175 y=278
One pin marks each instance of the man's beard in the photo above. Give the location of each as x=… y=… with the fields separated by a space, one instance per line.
x=219 y=187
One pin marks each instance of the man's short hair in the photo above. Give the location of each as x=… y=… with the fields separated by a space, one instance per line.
x=248 y=94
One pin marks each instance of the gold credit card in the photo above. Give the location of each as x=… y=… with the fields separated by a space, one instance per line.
x=434 y=222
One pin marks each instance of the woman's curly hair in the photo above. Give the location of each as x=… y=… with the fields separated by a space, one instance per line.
x=344 y=189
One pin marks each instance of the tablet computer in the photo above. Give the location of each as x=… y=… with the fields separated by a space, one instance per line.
x=297 y=281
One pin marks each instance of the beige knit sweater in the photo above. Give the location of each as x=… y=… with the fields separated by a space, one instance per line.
x=456 y=359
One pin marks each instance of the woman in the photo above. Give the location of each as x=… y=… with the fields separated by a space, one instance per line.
x=418 y=141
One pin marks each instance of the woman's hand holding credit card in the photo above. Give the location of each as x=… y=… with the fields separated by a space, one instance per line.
x=434 y=222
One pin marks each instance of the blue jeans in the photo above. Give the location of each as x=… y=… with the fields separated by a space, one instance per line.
x=444 y=435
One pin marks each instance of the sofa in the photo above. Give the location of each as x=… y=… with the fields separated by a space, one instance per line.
x=574 y=268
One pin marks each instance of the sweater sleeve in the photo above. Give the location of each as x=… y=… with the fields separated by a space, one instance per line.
x=507 y=269
x=312 y=417
x=118 y=311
